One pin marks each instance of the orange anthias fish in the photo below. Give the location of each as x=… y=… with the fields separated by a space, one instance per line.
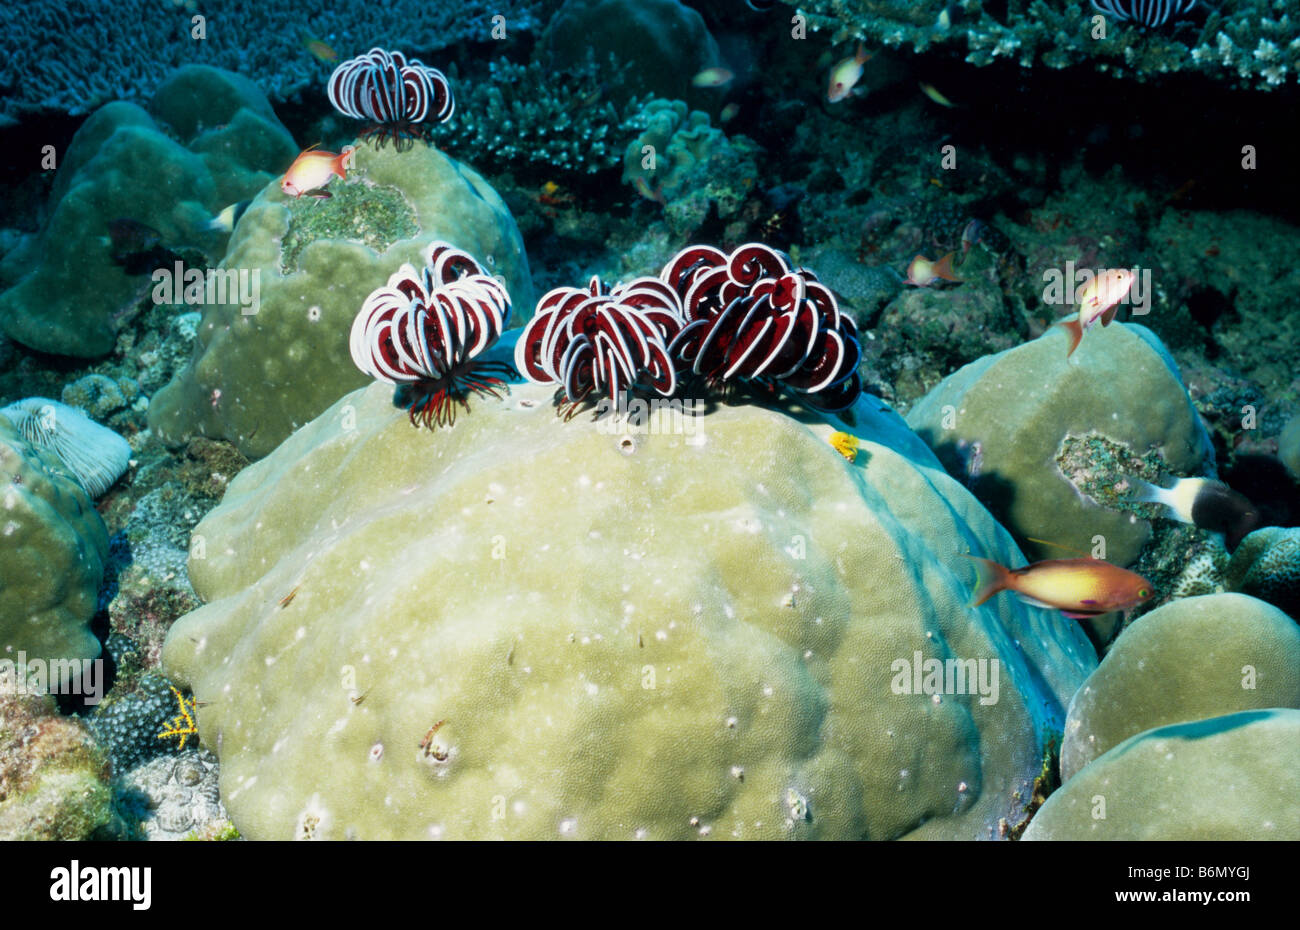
x=1078 y=588
x=922 y=272
x=313 y=168
x=1098 y=300
x=846 y=74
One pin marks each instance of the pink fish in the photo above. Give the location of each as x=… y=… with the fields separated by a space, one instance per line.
x=1098 y=300
x=846 y=74
x=313 y=168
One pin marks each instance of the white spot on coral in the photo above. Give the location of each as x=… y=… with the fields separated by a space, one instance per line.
x=376 y=752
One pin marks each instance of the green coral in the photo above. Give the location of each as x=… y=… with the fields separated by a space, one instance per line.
x=372 y=215
x=53 y=545
x=691 y=166
x=66 y=293
x=1195 y=658
x=1288 y=446
x=54 y=779
x=665 y=42
x=257 y=376
x=1254 y=43
x=1001 y=422
x=531 y=119
x=703 y=641
x=1234 y=777
x=1267 y=565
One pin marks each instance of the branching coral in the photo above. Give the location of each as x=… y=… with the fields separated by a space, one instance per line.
x=1251 y=43
x=535 y=118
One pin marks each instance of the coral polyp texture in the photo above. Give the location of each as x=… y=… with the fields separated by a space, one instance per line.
x=750 y=316
x=53 y=545
x=94 y=454
x=598 y=341
x=722 y=657
x=260 y=371
x=396 y=96
x=1251 y=43
x=426 y=330
x=70 y=57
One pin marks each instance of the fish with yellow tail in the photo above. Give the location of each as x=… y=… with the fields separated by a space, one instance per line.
x=1098 y=301
x=1204 y=503
x=846 y=74
x=313 y=168
x=1078 y=588
x=922 y=272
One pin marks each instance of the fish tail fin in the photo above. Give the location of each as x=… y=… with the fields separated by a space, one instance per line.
x=1075 y=329
x=990 y=578
x=943 y=268
x=345 y=160
x=862 y=56
x=1147 y=493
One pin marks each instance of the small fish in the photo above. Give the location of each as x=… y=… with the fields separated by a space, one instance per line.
x=929 y=91
x=312 y=169
x=1204 y=503
x=971 y=235
x=319 y=50
x=729 y=112
x=712 y=77
x=948 y=16
x=1078 y=588
x=656 y=194
x=228 y=219
x=846 y=74
x=922 y=272
x=846 y=444
x=126 y=236
x=1098 y=300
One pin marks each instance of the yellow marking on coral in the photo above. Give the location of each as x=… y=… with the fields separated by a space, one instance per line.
x=182 y=724
x=846 y=444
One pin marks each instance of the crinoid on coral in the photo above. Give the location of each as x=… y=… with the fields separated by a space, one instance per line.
x=396 y=95
x=1146 y=12
x=424 y=330
x=595 y=340
x=750 y=316
x=94 y=454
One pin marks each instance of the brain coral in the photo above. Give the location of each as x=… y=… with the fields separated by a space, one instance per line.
x=261 y=371
x=67 y=292
x=52 y=550
x=521 y=627
x=1267 y=565
x=1000 y=423
x=1194 y=658
x=1235 y=777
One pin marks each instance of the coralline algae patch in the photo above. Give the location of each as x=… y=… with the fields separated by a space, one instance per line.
x=522 y=627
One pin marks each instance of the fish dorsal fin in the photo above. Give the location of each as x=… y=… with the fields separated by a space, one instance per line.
x=1048 y=542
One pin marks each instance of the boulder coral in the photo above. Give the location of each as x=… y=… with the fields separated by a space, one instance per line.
x=666 y=627
x=1001 y=422
x=214 y=141
x=1235 y=777
x=1267 y=565
x=262 y=369
x=1191 y=659
x=53 y=545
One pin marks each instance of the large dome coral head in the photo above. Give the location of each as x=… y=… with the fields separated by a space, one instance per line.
x=750 y=316
x=425 y=329
x=595 y=340
x=397 y=96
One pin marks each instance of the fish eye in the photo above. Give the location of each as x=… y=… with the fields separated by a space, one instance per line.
x=1144 y=592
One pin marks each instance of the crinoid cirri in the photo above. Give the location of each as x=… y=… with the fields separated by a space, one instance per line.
x=425 y=330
